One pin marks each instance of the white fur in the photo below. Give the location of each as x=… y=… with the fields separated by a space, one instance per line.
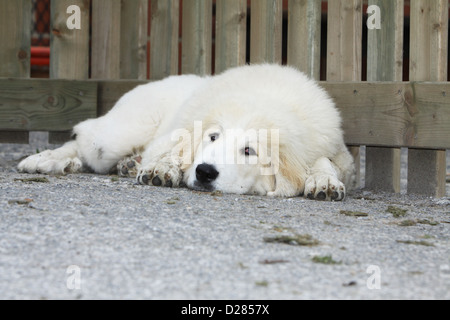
x=289 y=125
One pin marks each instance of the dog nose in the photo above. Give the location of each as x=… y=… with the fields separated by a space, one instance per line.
x=206 y=173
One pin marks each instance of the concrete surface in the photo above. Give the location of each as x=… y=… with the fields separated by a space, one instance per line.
x=94 y=237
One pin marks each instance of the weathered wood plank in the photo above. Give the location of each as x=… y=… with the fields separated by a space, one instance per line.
x=164 y=38
x=46 y=105
x=69 y=49
x=231 y=29
x=344 y=50
x=133 y=39
x=266 y=28
x=385 y=45
x=428 y=62
x=109 y=91
x=15 y=38
x=304 y=27
x=415 y=115
x=385 y=63
x=423 y=178
x=106 y=24
x=429 y=39
x=197 y=37
x=344 y=40
x=392 y=114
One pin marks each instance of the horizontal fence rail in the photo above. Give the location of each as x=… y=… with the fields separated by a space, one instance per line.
x=399 y=47
x=396 y=114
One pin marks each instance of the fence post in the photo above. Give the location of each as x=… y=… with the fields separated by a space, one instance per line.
x=15 y=39
x=197 y=37
x=304 y=27
x=133 y=39
x=69 y=48
x=428 y=62
x=344 y=50
x=266 y=28
x=231 y=29
x=385 y=63
x=106 y=22
x=164 y=38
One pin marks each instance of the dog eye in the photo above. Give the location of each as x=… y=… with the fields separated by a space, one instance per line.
x=214 y=137
x=249 y=151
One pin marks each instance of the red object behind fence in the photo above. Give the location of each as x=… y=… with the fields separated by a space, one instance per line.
x=40 y=56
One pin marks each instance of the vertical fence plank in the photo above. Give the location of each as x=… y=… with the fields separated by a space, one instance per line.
x=231 y=29
x=344 y=44
x=197 y=37
x=385 y=63
x=69 y=48
x=133 y=39
x=385 y=45
x=15 y=39
x=266 y=28
x=304 y=27
x=105 y=60
x=164 y=38
x=344 y=50
x=428 y=62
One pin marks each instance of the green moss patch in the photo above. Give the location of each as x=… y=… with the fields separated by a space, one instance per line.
x=353 y=213
x=325 y=260
x=396 y=212
x=37 y=179
x=293 y=240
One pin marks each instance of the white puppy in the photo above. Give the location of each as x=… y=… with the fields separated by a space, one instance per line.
x=262 y=129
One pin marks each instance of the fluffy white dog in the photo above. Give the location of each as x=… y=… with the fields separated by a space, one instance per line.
x=261 y=129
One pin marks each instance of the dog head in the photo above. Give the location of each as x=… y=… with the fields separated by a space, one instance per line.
x=242 y=153
x=234 y=160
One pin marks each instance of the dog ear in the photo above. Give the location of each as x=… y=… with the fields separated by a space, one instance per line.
x=190 y=140
x=181 y=153
x=291 y=175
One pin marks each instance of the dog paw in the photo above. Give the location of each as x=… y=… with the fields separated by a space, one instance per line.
x=160 y=174
x=324 y=188
x=45 y=163
x=72 y=166
x=129 y=167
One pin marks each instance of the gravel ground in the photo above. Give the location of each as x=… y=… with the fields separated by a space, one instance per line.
x=94 y=237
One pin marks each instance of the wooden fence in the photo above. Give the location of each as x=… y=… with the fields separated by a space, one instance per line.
x=92 y=66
